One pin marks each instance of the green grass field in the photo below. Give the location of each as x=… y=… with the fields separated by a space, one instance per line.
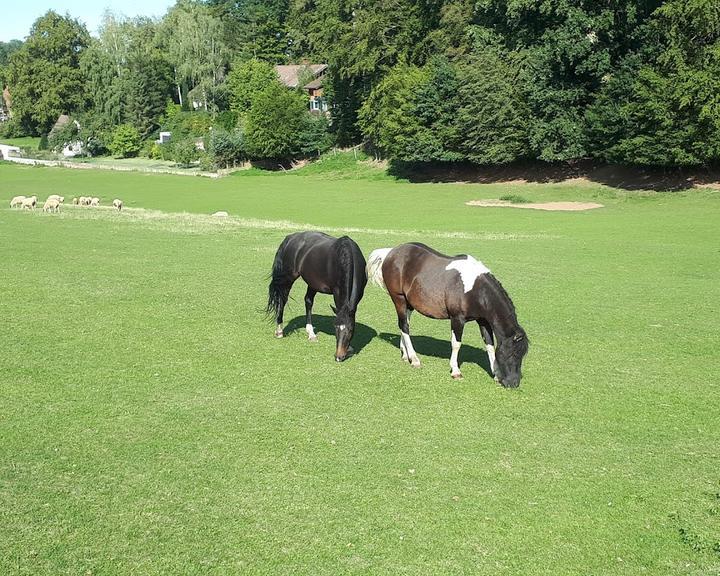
x=151 y=424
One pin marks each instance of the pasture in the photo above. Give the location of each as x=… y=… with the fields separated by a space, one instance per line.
x=151 y=424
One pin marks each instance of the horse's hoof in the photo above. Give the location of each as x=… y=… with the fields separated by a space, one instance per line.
x=279 y=334
x=457 y=376
x=415 y=364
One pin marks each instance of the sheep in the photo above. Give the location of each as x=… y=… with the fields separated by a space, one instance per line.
x=51 y=205
x=29 y=203
x=118 y=204
x=84 y=200
x=60 y=199
x=220 y=214
x=17 y=201
x=94 y=201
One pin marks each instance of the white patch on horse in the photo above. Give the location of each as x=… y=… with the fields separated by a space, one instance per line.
x=374 y=266
x=342 y=327
x=469 y=270
x=454 y=368
x=491 y=356
x=310 y=332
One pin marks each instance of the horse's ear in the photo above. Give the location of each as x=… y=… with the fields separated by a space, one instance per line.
x=518 y=337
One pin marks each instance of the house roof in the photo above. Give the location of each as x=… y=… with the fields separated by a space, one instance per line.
x=289 y=75
x=315 y=84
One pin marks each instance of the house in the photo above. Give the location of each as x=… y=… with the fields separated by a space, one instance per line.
x=70 y=149
x=311 y=76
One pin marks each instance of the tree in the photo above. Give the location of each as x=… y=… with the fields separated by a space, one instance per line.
x=226 y=148
x=491 y=122
x=662 y=107
x=125 y=141
x=275 y=122
x=44 y=75
x=247 y=79
x=254 y=29
x=195 y=46
x=6 y=50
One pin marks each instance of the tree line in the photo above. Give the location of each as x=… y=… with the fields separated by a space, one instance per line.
x=485 y=81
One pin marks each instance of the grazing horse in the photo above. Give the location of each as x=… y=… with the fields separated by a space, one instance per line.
x=459 y=288
x=328 y=265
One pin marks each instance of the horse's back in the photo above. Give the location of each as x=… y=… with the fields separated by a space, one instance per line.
x=417 y=272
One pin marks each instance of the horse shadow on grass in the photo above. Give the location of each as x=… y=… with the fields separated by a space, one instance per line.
x=429 y=346
x=326 y=325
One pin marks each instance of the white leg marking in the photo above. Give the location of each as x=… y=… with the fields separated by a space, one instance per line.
x=454 y=368
x=311 y=332
x=279 y=331
x=491 y=356
x=414 y=360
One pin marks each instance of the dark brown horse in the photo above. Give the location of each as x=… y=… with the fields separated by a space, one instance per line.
x=459 y=288
x=328 y=265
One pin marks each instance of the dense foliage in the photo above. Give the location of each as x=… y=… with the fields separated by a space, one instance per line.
x=488 y=81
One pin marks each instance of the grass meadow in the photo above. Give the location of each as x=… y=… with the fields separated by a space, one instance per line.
x=151 y=424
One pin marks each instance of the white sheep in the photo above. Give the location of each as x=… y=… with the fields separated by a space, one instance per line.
x=220 y=214
x=85 y=200
x=17 y=201
x=94 y=201
x=57 y=197
x=29 y=203
x=76 y=200
x=117 y=204
x=51 y=205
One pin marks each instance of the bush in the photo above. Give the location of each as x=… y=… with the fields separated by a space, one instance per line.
x=275 y=123
x=125 y=141
x=184 y=152
x=43 y=144
x=226 y=148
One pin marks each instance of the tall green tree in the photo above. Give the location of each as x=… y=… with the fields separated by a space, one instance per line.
x=492 y=117
x=129 y=78
x=6 y=50
x=254 y=29
x=193 y=37
x=44 y=75
x=247 y=79
x=275 y=123
x=662 y=106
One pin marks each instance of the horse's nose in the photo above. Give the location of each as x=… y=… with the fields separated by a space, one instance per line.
x=340 y=358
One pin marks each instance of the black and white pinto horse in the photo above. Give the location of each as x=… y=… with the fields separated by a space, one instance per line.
x=459 y=288
x=328 y=265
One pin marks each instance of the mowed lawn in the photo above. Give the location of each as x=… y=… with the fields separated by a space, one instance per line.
x=151 y=424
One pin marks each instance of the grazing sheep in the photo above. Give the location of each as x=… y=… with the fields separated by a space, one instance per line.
x=51 y=205
x=76 y=200
x=29 y=203
x=85 y=200
x=94 y=201
x=118 y=204
x=60 y=199
x=17 y=201
x=220 y=214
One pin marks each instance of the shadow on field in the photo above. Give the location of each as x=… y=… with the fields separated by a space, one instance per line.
x=326 y=325
x=429 y=346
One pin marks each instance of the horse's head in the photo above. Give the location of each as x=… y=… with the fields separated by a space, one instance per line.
x=344 y=330
x=508 y=359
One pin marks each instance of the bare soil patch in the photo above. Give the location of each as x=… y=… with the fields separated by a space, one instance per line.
x=551 y=206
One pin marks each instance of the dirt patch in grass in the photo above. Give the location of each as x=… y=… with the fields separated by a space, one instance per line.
x=551 y=206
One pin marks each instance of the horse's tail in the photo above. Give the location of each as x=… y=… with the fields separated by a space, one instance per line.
x=374 y=266
x=277 y=290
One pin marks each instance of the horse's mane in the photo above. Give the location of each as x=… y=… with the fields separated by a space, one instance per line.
x=344 y=248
